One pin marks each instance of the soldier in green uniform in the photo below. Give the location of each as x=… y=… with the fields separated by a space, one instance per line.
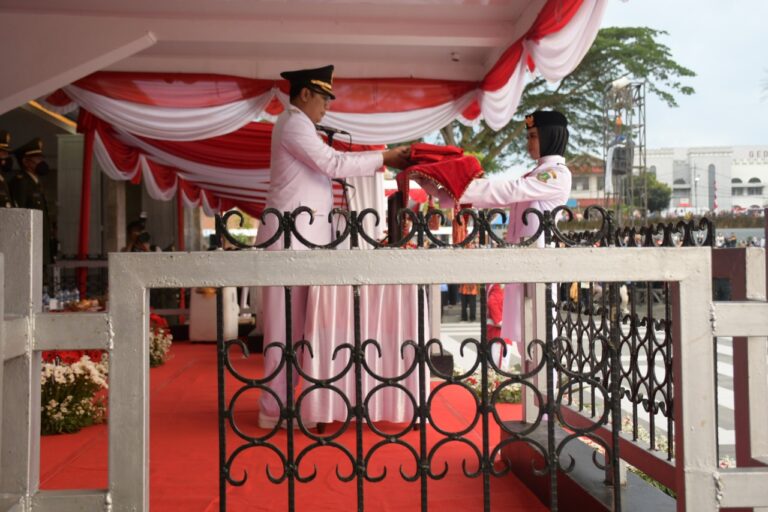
x=6 y=166
x=26 y=190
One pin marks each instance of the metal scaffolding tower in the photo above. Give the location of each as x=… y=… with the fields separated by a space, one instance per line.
x=624 y=149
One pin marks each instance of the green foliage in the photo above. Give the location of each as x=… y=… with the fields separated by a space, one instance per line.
x=658 y=193
x=243 y=239
x=727 y=220
x=616 y=52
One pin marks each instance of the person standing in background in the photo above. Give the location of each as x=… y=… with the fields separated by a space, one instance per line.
x=545 y=187
x=468 y=302
x=6 y=167
x=493 y=323
x=27 y=192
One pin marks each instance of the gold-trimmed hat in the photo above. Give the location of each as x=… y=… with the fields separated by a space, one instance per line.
x=318 y=79
x=5 y=141
x=545 y=118
x=31 y=148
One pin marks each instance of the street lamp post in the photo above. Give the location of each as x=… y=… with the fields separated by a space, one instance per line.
x=695 y=192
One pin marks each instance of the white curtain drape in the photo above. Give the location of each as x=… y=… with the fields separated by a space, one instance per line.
x=395 y=127
x=498 y=107
x=556 y=55
x=165 y=123
x=207 y=185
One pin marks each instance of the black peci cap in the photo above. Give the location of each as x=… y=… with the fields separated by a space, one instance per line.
x=545 y=118
x=318 y=79
x=31 y=148
x=5 y=140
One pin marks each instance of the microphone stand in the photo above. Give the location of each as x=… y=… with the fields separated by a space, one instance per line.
x=341 y=181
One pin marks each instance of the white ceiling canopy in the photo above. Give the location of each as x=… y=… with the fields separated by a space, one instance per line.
x=441 y=39
x=194 y=72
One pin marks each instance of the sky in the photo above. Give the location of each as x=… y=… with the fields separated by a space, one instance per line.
x=726 y=43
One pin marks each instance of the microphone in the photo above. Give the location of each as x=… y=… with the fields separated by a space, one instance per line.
x=328 y=130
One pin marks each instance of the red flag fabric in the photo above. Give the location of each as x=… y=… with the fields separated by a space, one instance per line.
x=422 y=153
x=447 y=166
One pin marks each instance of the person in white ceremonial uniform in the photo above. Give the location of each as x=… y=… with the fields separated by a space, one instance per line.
x=301 y=169
x=545 y=187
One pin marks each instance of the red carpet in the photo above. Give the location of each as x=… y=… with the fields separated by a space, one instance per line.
x=184 y=455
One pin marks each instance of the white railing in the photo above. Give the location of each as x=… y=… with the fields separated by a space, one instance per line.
x=123 y=331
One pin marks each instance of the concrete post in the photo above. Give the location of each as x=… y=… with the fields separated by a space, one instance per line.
x=114 y=216
x=21 y=245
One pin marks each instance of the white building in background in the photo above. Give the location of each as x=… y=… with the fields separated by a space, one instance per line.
x=713 y=178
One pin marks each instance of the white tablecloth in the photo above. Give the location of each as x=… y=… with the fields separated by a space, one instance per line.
x=388 y=314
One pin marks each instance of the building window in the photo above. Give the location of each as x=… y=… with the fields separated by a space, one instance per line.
x=754 y=191
x=581 y=183
x=737 y=191
x=736 y=180
x=601 y=183
x=679 y=181
x=754 y=180
x=652 y=170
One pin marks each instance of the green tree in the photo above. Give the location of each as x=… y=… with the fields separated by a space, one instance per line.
x=658 y=193
x=618 y=51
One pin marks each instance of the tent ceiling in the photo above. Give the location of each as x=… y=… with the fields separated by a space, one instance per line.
x=477 y=53
x=390 y=9
x=444 y=39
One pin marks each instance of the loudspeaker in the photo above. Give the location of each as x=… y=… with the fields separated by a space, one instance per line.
x=622 y=160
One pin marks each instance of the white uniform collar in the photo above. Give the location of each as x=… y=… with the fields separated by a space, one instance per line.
x=551 y=159
x=293 y=109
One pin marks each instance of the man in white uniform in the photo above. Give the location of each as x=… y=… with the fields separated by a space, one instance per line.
x=545 y=187
x=302 y=168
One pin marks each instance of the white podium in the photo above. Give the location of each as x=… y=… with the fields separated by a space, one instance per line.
x=202 y=315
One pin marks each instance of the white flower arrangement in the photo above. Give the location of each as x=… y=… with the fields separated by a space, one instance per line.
x=69 y=394
x=510 y=394
x=160 y=341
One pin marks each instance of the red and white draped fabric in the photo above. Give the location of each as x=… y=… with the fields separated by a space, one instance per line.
x=185 y=107
x=217 y=174
x=199 y=131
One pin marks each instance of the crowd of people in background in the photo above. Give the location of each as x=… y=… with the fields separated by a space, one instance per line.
x=731 y=241
x=21 y=188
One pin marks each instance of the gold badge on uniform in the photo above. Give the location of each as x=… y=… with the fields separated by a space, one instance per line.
x=546 y=176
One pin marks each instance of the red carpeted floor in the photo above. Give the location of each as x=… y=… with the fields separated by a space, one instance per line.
x=184 y=455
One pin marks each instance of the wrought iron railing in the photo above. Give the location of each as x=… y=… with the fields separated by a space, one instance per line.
x=592 y=357
x=644 y=332
x=122 y=330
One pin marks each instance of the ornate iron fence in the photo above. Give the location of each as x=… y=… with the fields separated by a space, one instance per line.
x=643 y=333
x=592 y=355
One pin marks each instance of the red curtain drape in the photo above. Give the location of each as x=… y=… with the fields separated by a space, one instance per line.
x=245 y=151
x=555 y=15
x=181 y=90
x=246 y=148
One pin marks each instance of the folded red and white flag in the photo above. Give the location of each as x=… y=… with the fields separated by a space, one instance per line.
x=446 y=166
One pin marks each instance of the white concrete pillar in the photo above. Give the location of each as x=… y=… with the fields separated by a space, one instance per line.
x=21 y=246
x=114 y=221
